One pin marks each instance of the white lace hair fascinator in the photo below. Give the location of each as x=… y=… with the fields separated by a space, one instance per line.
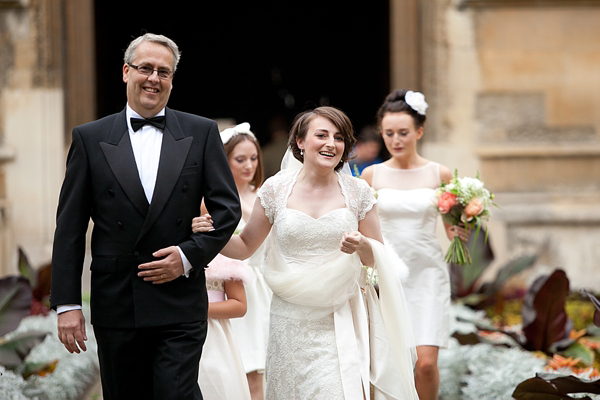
x=243 y=128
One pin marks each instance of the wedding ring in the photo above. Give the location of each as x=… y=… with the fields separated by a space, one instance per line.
x=161 y=276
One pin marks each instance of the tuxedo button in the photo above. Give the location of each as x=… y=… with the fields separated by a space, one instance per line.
x=179 y=222
x=120 y=225
x=111 y=193
x=184 y=188
x=136 y=254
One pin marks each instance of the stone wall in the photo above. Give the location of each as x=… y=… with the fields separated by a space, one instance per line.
x=31 y=128
x=515 y=96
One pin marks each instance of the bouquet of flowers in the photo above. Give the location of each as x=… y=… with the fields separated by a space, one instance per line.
x=463 y=201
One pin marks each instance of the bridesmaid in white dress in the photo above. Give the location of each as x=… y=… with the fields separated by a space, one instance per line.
x=222 y=375
x=251 y=331
x=323 y=342
x=405 y=185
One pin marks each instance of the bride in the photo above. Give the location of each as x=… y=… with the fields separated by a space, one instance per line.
x=323 y=342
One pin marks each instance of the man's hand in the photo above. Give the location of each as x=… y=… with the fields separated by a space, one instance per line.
x=71 y=330
x=164 y=270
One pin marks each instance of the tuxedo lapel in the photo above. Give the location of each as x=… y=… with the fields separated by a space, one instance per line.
x=173 y=153
x=119 y=154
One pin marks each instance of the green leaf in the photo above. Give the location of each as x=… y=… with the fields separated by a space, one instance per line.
x=25 y=268
x=509 y=270
x=14 y=351
x=491 y=328
x=593 y=330
x=15 y=302
x=38 y=368
x=596 y=303
x=464 y=278
x=578 y=350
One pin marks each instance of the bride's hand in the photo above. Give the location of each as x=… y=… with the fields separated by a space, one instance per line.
x=203 y=223
x=351 y=242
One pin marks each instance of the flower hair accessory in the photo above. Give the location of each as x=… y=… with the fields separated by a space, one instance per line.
x=243 y=128
x=416 y=101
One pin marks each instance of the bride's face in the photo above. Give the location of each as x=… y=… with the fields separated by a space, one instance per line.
x=323 y=145
x=400 y=134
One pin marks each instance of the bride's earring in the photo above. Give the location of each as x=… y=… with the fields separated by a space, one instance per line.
x=301 y=152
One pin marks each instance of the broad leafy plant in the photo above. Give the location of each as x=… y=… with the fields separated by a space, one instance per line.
x=21 y=296
x=465 y=279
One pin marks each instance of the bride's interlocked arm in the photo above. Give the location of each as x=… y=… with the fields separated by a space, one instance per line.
x=242 y=246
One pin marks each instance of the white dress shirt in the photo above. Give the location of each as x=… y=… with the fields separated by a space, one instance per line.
x=146 y=143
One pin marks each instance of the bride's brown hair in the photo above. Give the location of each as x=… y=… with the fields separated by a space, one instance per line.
x=337 y=118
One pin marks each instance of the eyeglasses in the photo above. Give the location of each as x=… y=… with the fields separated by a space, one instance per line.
x=145 y=70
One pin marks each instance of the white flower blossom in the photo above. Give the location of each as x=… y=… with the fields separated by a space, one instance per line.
x=416 y=100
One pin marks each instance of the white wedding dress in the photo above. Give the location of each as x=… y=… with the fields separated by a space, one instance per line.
x=320 y=336
x=408 y=225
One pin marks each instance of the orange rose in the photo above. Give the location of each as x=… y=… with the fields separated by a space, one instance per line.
x=446 y=202
x=473 y=208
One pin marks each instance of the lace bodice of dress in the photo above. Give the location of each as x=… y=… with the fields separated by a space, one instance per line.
x=300 y=235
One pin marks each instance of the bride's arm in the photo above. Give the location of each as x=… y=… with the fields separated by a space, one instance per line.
x=249 y=240
x=357 y=241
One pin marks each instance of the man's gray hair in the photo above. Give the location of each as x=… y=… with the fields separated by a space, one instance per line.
x=151 y=37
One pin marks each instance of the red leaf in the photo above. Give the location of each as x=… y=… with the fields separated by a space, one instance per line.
x=544 y=317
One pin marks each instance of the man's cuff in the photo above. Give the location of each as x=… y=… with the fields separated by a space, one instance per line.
x=67 y=307
x=187 y=267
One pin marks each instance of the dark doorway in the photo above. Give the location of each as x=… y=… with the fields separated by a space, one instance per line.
x=250 y=61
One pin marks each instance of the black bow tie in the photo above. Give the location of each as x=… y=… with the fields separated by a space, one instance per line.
x=158 y=122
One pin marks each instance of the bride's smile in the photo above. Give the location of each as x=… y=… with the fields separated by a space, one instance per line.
x=323 y=144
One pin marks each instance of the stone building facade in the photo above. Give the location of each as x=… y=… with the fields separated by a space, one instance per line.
x=514 y=93
x=46 y=86
x=513 y=88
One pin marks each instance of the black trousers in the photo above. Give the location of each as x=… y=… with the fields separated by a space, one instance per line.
x=159 y=363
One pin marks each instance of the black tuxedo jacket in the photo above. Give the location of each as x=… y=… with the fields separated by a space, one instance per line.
x=102 y=183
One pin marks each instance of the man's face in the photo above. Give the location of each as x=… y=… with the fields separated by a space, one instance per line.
x=148 y=94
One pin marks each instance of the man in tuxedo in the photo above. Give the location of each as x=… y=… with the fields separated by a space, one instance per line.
x=140 y=175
